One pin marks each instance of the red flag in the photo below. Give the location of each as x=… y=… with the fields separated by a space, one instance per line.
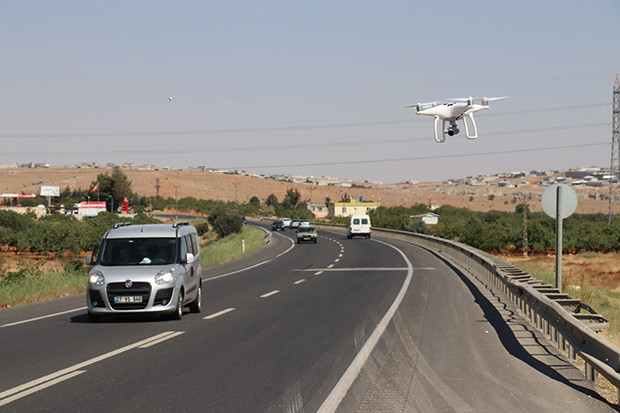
x=95 y=189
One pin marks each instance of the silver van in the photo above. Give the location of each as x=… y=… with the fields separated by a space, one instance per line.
x=153 y=268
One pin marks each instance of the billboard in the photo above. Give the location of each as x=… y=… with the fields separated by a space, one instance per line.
x=50 y=190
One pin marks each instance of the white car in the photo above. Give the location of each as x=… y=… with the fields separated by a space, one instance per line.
x=286 y=222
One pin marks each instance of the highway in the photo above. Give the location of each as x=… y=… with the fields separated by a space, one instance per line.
x=355 y=325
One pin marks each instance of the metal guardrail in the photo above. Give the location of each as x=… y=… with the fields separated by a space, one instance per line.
x=555 y=314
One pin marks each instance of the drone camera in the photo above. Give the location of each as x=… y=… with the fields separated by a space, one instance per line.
x=452 y=130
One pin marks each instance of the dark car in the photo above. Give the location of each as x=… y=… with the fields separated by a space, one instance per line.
x=277 y=225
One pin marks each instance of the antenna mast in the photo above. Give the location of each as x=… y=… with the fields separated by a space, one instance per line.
x=614 y=172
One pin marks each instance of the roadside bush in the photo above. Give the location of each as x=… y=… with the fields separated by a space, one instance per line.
x=202 y=227
x=74 y=265
x=225 y=225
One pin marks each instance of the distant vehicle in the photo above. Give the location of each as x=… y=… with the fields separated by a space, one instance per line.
x=306 y=233
x=295 y=223
x=304 y=223
x=359 y=225
x=153 y=268
x=277 y=225
x=286 y=222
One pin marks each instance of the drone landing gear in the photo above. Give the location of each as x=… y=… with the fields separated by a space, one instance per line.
x=473 y=122
x=453 y=128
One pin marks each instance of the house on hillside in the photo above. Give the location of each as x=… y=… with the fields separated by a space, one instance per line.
x=319 y=209
x=429 y=218
x=351 y=207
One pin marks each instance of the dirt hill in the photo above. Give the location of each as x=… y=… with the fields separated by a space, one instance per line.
x=228 y=187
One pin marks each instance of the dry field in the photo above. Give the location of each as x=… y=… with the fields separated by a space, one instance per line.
x=203 y=185
x=592 y=278
x=583 y=270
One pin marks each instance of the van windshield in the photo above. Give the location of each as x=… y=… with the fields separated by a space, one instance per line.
x=138 y=251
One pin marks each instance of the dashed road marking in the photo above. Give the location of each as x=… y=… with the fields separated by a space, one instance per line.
x=219 y=313
x=299 y=281
x=269 y=294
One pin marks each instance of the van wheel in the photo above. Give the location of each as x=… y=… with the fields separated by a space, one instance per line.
x=196 y=305
x=178 y=312
x=368 y=236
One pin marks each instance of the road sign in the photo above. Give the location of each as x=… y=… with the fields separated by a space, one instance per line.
x=562 y=194
x=559 y=201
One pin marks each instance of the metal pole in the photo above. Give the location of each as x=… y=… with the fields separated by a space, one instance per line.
x=558 y=240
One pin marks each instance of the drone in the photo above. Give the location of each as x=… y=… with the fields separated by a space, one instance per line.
x=451 y=110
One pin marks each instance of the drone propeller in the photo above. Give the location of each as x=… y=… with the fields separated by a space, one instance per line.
x=422 y=106
x=477 y=99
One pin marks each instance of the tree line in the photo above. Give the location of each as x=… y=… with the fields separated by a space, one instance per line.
x=491 y=231
x=496 y=231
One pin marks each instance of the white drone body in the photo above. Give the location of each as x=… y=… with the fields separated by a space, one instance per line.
x=451 y=110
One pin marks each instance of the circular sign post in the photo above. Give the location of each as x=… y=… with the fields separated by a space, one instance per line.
x=559 y=201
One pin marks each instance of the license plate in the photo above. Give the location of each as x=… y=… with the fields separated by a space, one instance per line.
x=128 y=299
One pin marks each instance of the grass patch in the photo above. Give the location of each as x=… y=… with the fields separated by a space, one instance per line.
x=31 y=288
x=231 y=247
x=29 y=284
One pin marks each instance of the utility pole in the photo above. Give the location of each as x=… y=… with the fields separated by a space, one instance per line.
x=615 y=146
x=236 y=185
x=525 y=199
x=157 y=186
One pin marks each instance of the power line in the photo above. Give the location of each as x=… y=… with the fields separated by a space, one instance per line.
x=291 y=146
x=56 y=135
x=420 y=158
x=323 y=145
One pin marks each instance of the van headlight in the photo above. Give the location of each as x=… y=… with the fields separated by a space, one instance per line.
x=96 y=278
x=164 y=277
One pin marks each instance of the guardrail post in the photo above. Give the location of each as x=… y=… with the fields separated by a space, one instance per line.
x=590 y=372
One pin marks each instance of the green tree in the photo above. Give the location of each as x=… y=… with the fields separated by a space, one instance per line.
x=272 y=200
x=114 y=187
x=291 y=199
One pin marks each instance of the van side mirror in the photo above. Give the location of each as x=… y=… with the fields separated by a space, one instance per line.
x=89 y=260
x=189 y=258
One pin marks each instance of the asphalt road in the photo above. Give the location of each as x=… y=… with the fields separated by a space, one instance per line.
x=341 y=325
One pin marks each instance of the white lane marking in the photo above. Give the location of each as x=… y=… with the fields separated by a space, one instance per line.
x=269 y=294
x=42 y=317
x=334 y=399
x=252 y=266
x=40 y=387
x=318 y=272
x=299 y=281
x=329 y=268
x=340 y=256
x=79 y=366
x=337 y=259
x=159 y=340
x=219 y=313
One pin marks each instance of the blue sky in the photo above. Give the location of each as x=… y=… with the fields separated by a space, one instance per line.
x=312 y=88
